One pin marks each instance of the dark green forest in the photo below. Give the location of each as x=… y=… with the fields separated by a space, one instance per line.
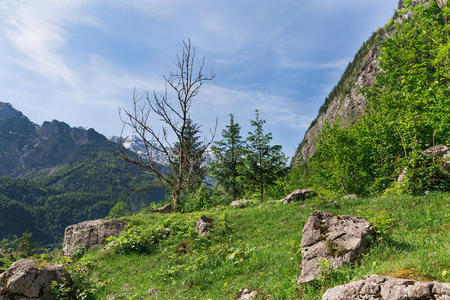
x=80 y=191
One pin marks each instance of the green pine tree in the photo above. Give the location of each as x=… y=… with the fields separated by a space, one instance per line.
x=227 y=170
x=263 y=163
x=194 y=149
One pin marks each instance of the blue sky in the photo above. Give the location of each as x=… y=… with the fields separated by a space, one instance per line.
x=78 y=60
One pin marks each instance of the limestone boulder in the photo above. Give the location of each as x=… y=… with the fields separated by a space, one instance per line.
x=441 y=152
x=298 y=195
x=239 y=203
x=246 y=294
x=163 y=209
x=204 y=225
x=333 y=241
x=90 y=234
x=376 y=287
x=25 y=279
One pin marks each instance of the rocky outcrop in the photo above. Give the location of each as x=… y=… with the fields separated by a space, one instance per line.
x=440 y=152
x=298 y=195
x=204 y=225
x=246 y=294
x=163 y=209
x=376 y=287
x=345 y=104
x=90 y=234
x=25 y=279
x=332 y=241
x=239 y=203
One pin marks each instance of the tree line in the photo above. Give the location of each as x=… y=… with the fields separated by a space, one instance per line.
x=240 y=165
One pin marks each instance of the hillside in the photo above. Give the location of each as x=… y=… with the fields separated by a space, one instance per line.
x=55 y=175
x=258 y=247
x=345 y=103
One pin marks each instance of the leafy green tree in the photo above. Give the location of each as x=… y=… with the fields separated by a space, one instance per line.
x=412 y=94
x=227 y=170
x=264 y=163
x=407 y=113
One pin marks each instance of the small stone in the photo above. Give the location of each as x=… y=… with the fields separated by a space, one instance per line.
x=204 y=225
x=239 y=203
x=127 y=287
x=246 y=294
x=163 y=209
x=298 y=195
x=351 y=196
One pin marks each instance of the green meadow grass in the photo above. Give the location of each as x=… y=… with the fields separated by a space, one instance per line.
x=259 y=248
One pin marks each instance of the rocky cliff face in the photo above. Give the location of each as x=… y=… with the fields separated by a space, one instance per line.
x=345 y=104
x=25 y=145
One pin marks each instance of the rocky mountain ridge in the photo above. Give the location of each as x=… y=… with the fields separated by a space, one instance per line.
x=26 y=147
x=135 y=144
x=53 y=175
x=345 y=104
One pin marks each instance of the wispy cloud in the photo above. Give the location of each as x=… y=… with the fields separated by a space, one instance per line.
x=36 y=30
x=72 y=60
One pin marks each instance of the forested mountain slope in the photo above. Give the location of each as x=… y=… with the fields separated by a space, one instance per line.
x=55 y=175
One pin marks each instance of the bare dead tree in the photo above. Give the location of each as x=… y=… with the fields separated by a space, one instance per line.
x=174 y=117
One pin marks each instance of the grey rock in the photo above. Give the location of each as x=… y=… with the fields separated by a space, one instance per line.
x=351 y=196
x=152 y=291
x=298 y=195
x=204 y=225
x=25 y=280
x=239 y=203
x=437 y=150
x=377 y=287
x=246 y=294
x=440 y=152
x=402 y=175
x=90 y=234
x=336 y=239
x=163 y=209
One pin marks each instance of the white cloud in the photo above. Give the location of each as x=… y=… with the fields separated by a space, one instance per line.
x=36 y=30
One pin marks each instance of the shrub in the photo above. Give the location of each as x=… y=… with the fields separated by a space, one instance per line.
x=137 y=239
x=119 y=210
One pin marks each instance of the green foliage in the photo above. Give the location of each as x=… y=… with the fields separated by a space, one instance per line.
x=227 y=170
x=200 y=199
x=25 y=244
x=407 y=113
x=81 y=286
x=79 y=191
x=137 y=239
x=193 y=150
x=259 y=248
x=264 y=163
x=119 y=210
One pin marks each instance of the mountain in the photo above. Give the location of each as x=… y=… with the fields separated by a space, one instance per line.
x=345 y=104
x=135 y=144
x=26 y=148
x=53 y=175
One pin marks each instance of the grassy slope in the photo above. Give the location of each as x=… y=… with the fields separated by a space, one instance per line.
x=414 y=242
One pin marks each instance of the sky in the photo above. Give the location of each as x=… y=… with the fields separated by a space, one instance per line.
x=78 y=61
